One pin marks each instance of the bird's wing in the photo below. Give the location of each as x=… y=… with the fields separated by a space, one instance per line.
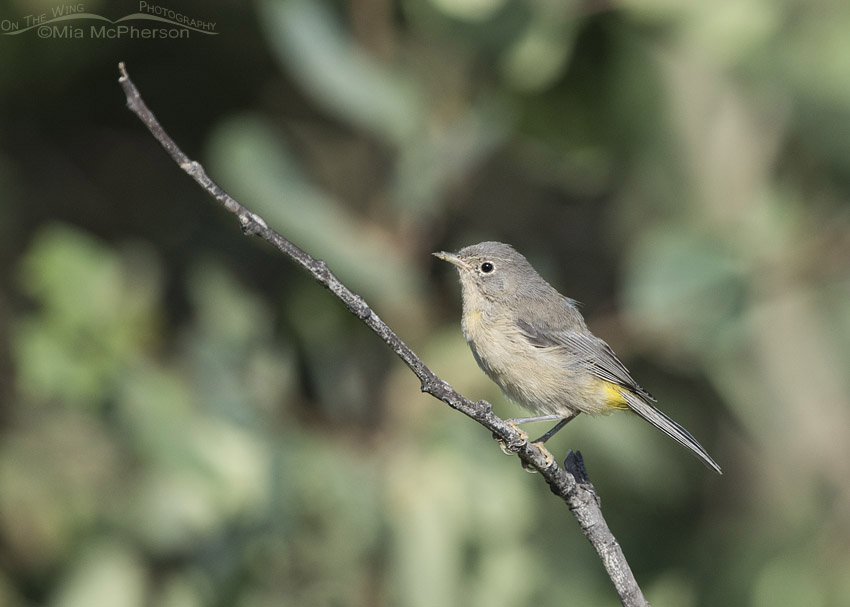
x=598 y=356
x=604 y=364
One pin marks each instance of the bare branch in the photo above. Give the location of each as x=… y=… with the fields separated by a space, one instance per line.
x=572 y=486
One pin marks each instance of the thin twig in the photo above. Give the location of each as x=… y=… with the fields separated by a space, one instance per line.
x=573 y=487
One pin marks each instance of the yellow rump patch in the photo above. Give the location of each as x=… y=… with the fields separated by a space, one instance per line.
x=613 y=394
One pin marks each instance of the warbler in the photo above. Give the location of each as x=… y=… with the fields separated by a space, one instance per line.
x=534 y=344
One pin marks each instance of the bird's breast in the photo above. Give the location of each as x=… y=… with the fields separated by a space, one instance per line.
x=547 y=380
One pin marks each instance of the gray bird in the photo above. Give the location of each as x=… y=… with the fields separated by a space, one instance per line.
x=533 y=342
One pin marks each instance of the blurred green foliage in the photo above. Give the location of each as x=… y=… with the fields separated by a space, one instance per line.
x=187 y=420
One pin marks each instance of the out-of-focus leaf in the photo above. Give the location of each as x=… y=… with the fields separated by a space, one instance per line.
x=800 y=371
x=469 y=10
x=430 y=164
x=106 y=575
x=180 y=591
x=203 y=471
x=54 y=472
x=327 y=527
x=726 y=31
x=681 y=283
x=240 y=371
x=816 y=56
x=439 y=524
x=169 y=511
x=538 y=58
x=339 y=75
x=96 y=314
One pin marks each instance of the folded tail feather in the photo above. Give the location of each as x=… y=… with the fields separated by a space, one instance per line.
x=669 y=427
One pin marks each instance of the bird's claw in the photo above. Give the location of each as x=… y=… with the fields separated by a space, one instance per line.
x=533 y=469
x=550 y=459
x=512 y=447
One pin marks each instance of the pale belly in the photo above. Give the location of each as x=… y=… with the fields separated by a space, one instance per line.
x=547 y=381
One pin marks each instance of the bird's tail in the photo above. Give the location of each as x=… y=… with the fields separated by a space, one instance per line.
x=669 y=427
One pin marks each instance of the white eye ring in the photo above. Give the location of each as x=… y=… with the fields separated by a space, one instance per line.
x=487 y=267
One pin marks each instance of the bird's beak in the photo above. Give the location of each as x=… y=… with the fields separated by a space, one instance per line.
x=452 y=258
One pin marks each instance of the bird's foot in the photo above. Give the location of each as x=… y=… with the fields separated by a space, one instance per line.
x=512 y=447
x=550 y=459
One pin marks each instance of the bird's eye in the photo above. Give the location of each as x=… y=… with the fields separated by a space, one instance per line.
x=486 y=267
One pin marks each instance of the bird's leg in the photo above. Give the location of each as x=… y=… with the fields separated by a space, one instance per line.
x=540 y=441
x=516 y=421
x=564 y=421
